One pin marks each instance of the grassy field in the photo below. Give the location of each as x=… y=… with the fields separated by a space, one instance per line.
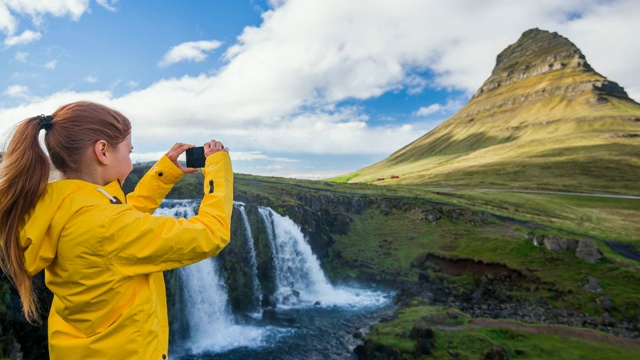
x=604 y=218
x=550 y=131
x=454 y=334
x=560 y=164
x=391 y=243
x=386 y=245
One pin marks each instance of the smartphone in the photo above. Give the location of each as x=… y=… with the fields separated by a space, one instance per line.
x=195 y=157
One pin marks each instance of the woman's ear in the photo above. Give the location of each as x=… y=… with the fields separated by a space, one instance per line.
x=100 y=150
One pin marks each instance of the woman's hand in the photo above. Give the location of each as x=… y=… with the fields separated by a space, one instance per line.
x=212 y=147
x=177 y=150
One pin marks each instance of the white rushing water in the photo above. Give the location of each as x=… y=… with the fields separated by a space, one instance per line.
x=253 y=263
x=301 y=283
x=177 y=208
x=210 y=323
x=299 y=277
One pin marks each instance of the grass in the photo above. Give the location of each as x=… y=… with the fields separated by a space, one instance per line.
x=525 y=345
x=604 y=218
x=452 y=335
x=519 y=136
x=561 y=164
x=344 y=179
x=389 y=244
x=383 y=245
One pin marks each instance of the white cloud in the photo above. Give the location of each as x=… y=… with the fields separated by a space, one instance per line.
x=415 y=84
x=57 y=8
x=634 y=92
x=148 y=156
x=10 y=10
x=108 y=4
x=283 y=83
x=276 y=3
x=452 y=105
x=91 y=79
x=45 y=105
x=17 y=91
x=21 y=56
x=428 y=110
x=26 y=37
x=309 y=54
x=189 y=51
x=257 y=155
x=51 y=64
x=605 y=34
x=8 y=23
x=246 y=156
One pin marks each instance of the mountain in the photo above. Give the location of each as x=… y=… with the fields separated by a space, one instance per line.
x=544 y=119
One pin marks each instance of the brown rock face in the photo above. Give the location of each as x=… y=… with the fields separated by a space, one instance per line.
x=538 y=52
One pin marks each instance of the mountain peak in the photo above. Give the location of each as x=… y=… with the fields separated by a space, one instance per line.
x=544 y=119
x=538 y=52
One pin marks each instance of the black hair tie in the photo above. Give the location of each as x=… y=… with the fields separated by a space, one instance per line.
x=45 y=122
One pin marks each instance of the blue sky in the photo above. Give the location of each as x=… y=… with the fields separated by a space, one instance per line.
x=297 y=88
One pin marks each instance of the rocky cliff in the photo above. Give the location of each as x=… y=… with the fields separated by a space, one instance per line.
x=539 y=52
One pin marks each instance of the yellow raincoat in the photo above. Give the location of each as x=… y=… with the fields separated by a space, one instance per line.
x=103 y=260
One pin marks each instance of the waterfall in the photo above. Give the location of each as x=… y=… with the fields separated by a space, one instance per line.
x=257 y=291
x=207 y=325
x=178 y=208
x=208 y=315
x=210 y=323
x=299 y=277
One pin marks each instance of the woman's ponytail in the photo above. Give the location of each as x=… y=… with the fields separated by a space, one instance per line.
x=24 y=173
x=70 y=131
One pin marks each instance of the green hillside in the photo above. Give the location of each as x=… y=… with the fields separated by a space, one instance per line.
x=543 y=120
x=448 y=254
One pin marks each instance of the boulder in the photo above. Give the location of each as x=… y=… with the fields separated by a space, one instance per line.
x=271 y=316
x=372 y=350
x=559 y=244
x=593 y=285
x=423 y=336
x=268 y=301
x=420 y=332
x=432 y=216
x=588 y=251
x=495 y=352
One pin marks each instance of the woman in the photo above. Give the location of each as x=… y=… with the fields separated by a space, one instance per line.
x=103 y=253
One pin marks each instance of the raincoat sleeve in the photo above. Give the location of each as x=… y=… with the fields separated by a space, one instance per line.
x=139 y=243
x=154 y=186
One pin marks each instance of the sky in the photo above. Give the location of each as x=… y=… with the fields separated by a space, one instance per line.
x=294 y=88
